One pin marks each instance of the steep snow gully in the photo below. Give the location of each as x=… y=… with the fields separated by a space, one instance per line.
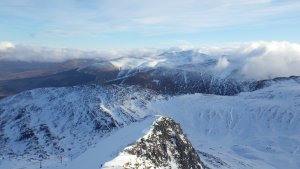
x=117 y=127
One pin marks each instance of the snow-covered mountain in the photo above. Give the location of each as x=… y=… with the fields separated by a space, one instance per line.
x=163 y=146
x=44 y=123
x=52 y=126
x=184 y=72
x=210 y=70
x=258 y=129
x=91 y=126
x=180 y=81
x=228 y=111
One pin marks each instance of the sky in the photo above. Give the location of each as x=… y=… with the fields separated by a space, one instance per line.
x=101 y=24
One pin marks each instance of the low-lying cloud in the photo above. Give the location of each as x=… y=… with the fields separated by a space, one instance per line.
x=18 y=52
x=255 y=60
x=222 y=63
x=272 y=60
x=259 y=60
x=6 y=45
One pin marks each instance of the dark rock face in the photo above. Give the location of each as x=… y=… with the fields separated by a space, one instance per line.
x=216 y=162
x=180 y=81
x=177 y=81
x=165 y=147
x=265 y=83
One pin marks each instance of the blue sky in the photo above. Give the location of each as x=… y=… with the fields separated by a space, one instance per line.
x=91 y=24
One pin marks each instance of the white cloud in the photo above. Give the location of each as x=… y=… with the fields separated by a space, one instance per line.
x=6 y=45
x=254 y=60
x=222 y=63
x=18 y=52
x=150 y=20
x=146 y=17
x=272 y=60
x=259 y=60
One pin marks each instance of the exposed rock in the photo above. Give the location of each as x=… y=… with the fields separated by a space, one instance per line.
x=164 y=146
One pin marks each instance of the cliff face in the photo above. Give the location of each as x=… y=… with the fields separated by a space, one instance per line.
x=164 y=146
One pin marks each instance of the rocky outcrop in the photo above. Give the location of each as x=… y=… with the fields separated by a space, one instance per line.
x=164 y=146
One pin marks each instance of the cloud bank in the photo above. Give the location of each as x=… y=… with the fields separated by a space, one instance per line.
x=222 y=63
x=254 y=60
x=6 y=45
x=260 y=60
x=272 y=60
x=19 y=52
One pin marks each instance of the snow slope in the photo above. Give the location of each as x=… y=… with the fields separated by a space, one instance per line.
x=62 y=123
x=117 y=149
x=259 y=129
x=109 y=146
